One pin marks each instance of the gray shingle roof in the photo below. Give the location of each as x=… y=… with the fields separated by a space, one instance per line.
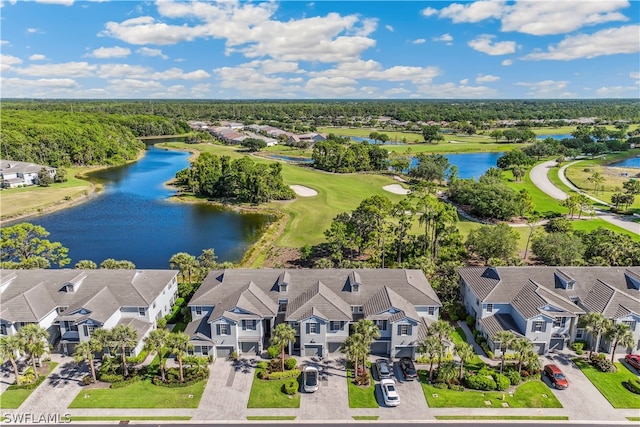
x=336 y=297
x=481 y=280
x=598 y=296
x=199 y=328
x=320 y=298
x=385 y=299
x=249 y=298
x=500 y=322
x=32 y=294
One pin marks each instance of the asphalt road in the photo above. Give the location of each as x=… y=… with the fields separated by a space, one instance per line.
x=386 y=422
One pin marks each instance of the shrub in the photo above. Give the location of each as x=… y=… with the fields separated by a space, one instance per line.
x=273 y=351
x=480 y=382
x=27 y=377
x=110 y=378
x=603 y=365
x=487 y=350
x=128 y=381
x=502 y=382
x=633 y=385
x=290 y=363
x=175 y=310
x=578 y=346
x=514 y=377
x=86 y=380
x=470 y=321
x=290 y=387
x=442 y=386
x=293 y=373
x=263 y=375
x=456 y=387
x=262 y=365
x=136 y=360
x=233 y=355
x=363 y=379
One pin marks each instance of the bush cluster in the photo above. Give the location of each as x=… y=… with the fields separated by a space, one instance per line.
x=110 y=378
x=136 y=360
x=290 y=387
x=124 y=383
x=290 y=363
x=480 y=382
x=514 y=377
x=601 y=362
x=273 y=351
x=578 y=347
x=502 y=381
x=293 y=373
x=191 y=375
x=633 y=385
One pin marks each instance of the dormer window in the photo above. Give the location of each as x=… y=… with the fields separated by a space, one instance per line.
x=283 y=287
x=355 y=287
x=354 y=281
x=283 y=281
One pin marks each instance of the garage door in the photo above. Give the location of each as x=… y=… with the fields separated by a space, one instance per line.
x=249 y=347
x=313 y=350
x=223 y=352
x=380 y=348
x=334 y=347
x=403 y=352
x=538 y=347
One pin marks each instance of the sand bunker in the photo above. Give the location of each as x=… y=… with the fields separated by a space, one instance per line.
x=303 y=191
x=395 y=189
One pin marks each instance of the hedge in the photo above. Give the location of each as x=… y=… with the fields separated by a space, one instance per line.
x=175 y=311
x=290 y=387
x=128 y=381
x=633 y=385
x=293 y=373
x=290 y=363
x=480 y=382
x=502 y=382
x=31 y=386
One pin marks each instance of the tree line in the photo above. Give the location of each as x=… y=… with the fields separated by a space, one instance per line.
x=58 y=139
x=241 y=179
x=339 y=157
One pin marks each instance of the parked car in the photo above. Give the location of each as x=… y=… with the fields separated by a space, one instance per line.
x=389 y=392
x=384 y=370
x=408 y=369
x=633 y=360
x=557 y=378
x=310 y=379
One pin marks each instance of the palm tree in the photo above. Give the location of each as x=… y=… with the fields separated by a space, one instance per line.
x=465 y=352
x=443 y=330
x=369 y=332
x=283 y=335
x=9 y=346
x=431 y=346
x=354 y=349
x=34 y=341
x=505 y=338
x=596 y=324
x=85 y=351
x=522 y=347
x=185 y=263
x=620 y=334
x=124 y=336
x=156 y=342
x=103 y=339
x=179 y=345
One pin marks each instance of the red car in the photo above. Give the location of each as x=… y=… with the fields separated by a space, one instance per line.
x=633 y=360
x=557 y=378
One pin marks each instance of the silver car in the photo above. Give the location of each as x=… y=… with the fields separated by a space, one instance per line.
x=310 y=379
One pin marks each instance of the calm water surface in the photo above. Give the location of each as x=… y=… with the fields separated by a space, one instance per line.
x=133 y=220
x=631 y=162
x=470 y=165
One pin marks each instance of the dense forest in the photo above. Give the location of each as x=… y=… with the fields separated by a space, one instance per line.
x=326 y=112
x=63 y=138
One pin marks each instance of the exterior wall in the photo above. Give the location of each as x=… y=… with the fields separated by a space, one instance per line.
x=225 y=340
x=9 y=328
x=403 y=340
x=204 y=311
x=543 y=336
x=113 y=320
x=132 y=312
x=163 y=303
x=471 y=300
x=247 y=334
x=338 y=335
x=384 y=334
x=423 y=311
x=521 y=322
x=319 y=338
x=497 y=308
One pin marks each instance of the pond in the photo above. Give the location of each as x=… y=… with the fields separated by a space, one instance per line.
x=290 y=158
x=556 y=136
x=132 y=219
x=631 y=162
x=470 y=165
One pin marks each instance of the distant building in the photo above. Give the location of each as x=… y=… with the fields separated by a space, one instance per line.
x=19 y=174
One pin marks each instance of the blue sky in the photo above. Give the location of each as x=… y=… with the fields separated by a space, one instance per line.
x=320 y=49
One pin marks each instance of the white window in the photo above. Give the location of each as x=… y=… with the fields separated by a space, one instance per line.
x=88 y=330
x=3 y=329
x=431 y=311
x=142 y=311
x=282 y=306
x=335 y=325
x=489 y=308
x=154 y=304
x=382 y=324
x=631 y=324
x=579 y=333
x=313 y=328
x=538 y=326
x=249 y=325
x=356 y=309
x=404 y=329
x=198 y=310
x=559 y=322
x=224 y=329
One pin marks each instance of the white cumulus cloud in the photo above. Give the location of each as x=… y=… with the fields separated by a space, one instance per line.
x=611 y=41
x=443 y=38
x=484 y=43
x=548 y=89
x=389 y=28
x=37 y=57
x=486 y=78
x=507 y=62
x=419 y=41
x=109 y=52
x=146 y=51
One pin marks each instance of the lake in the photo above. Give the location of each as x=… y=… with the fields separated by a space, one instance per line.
x=556 y=136
x=132 y=219
x=631 y=162
x=470 y=165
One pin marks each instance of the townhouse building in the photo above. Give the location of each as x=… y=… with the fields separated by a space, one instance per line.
x=236 y=310
x=71 y=304
x=544 y=304
x=19 y=174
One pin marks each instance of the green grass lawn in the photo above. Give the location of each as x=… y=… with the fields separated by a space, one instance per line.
x=361 y=397
x=268 y=394
x=142 y=394
x=13 y=398
x=610 y=384
x=365 y=417
x=528 y=395
x=271 y=417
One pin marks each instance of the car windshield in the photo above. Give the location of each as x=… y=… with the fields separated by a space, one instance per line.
x=559 y=376
x=312 y=378
x=384 y=369
x=391 y=389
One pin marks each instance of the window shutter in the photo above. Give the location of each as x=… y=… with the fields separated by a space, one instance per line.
x=409 y=329
x=544 y=326
x=217 y=329
x=244 y=325
x=308 y=328
x=399 y=329
x=341 y=325
x=385 y=325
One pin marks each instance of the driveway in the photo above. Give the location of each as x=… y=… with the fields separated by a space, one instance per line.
x=331 y=400
x=581 y=401
x=539 y=175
